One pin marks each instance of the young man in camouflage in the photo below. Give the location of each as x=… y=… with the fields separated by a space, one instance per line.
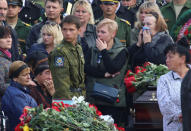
x=22 y=29
x=67 y=62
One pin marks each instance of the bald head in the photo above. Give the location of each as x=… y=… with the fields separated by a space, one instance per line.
x=3 y=10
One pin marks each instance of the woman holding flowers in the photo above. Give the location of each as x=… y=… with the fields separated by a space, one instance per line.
x=152 y=41
x=169 y=87
x=106 y=64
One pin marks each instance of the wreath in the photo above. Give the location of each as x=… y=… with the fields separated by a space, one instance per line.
x=182 y=27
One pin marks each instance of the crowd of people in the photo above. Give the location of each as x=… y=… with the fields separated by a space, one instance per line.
x=64 y=56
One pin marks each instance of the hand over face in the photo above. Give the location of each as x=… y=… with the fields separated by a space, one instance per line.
x=49 y=85
x=146 y=36
x=101 y=45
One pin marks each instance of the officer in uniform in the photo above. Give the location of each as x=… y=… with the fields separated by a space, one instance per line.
x=169 y=12
x=124 y=27
x=128 y=11
x=21 y=28
x=67 y=62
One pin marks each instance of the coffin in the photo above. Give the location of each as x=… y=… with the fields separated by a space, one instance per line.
x=147 y=113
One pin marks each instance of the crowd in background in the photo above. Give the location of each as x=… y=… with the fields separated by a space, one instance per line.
x=59 y=55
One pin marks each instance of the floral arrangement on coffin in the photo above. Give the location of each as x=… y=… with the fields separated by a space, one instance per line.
x=80 y=116
x=144 y=76
x=182 y=27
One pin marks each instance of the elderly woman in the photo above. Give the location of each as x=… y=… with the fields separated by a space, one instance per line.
x=106 y=64
x=144 y=9
x=169 y=87
x=82 y=9
x=152 y=41
x=51 y=35
x=17 y=96
x=5 y=57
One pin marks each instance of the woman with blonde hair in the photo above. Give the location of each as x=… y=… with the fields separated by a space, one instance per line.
x=82 y=9
x=17 y=96
x=51 y=36
x=106 y=65
x=144 y=9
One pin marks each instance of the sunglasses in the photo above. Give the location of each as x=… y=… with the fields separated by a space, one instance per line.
x=51 y=23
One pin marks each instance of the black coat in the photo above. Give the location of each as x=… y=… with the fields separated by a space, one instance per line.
x=150 y=52
x=186 y=101
x=14 y=48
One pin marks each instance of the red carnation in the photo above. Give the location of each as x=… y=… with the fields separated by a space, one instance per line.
x=186 y=32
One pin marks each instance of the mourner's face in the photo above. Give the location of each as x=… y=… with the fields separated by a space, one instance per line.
x=104 y=34
x=23 y=78
x=48 y=38
x=70 y=32
x=5 y=43
x=53 y=10
x=82 y=14
x=109 y=9
x=150 y=21
x=3 y=9
x=174 y=61
x=142 y=14
x=44 y=76
x=13 y=11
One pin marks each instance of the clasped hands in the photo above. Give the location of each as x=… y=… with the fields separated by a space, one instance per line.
x=144 y=37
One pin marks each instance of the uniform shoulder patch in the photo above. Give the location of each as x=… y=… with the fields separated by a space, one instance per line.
x=26 y=24
x=126 y=21
x=59 y=61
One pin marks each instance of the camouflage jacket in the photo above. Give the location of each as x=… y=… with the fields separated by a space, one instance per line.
x=67 y=67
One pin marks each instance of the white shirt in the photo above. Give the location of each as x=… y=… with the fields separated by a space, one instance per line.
x=168 y=95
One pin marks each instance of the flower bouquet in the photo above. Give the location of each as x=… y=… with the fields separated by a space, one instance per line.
x=182 y=27
x=144 y=76
x=81 y=116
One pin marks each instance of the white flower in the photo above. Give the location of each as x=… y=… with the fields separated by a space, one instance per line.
x=108 y=119
x=77 y=100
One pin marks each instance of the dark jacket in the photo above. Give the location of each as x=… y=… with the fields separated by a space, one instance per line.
x=41 y=95
x=111 y=61
x=185 y=101
x=150 y=52
x=37 y=47
x=128 y=13
x=14 y=48
x=5 y=63
x=89 y=39
x=16 y=97
x=34 y=34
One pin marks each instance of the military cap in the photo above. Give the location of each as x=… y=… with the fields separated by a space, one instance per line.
x=30 y=12
x=111 y=2
x=15 y=2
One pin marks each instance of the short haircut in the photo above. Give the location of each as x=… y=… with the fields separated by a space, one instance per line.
x=71 y=19
x=54 y=29
x=86 y=5
x=111 y=24
x=54 y=1
x=181 y=50
x=5 y=31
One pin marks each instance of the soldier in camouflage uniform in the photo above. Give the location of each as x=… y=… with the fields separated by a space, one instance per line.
x=67 y=62
x=169 y=11
x=124 y=28
x=22 y=29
